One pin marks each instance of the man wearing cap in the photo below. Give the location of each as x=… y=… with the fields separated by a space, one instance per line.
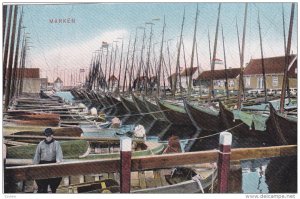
x=48 y=151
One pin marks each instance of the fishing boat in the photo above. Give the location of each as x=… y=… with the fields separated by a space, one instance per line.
x=205 y=118
x=282 y=127
x=174 y=113
x=178 y=180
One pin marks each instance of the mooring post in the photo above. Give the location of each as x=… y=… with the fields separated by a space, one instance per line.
x=224 y=161
x=125 y=164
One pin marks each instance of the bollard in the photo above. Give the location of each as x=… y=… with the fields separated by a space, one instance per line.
x=224 y=161
x=125 y=164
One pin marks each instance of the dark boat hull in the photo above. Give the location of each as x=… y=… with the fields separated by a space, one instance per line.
x=203 y=119
x=283 y=130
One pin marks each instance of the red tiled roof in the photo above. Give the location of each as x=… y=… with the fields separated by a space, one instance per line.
x=29 y=72
x=219 y=74
x=272 y=65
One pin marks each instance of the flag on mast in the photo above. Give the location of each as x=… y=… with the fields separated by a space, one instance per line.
x=218 y=61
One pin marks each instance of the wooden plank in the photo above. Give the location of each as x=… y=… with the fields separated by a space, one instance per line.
x=142 y=163
x=99 y=139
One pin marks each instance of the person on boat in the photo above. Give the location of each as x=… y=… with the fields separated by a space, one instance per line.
x=48 y=151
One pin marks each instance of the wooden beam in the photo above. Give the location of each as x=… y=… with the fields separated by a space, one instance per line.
x=98 y=139
x=142 y=163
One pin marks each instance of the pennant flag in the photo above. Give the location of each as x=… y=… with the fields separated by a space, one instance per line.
x=218 y=61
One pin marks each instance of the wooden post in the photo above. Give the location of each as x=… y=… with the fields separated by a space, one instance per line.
x=224 y=161
x=125 y=164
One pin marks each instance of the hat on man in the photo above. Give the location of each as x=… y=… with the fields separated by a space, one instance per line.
x=48 y=132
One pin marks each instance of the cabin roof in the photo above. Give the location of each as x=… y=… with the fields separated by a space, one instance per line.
x=272 y=65
x=219 y=74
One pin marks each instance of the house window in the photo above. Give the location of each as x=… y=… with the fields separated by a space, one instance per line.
x=231 y=83
x=247 y=82
x=275 y=81
x=260 y=82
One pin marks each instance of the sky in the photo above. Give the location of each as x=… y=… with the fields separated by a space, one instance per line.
x=63 y=49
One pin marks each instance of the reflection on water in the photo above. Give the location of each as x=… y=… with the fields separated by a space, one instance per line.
x=254 y=180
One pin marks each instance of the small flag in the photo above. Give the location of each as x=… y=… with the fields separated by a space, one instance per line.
x=104 y=44
x=218 y=61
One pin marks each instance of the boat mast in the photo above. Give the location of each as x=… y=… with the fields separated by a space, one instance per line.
x=16 y=56
x=262 y=60
x=10 y=61
x=106 y=60
x=141 y=60
x=185 y=68
x=198 y=68
x=241 y=82
x=192 y=58
x=4 y=13
x=126 y=65
x=132 y=63
x=114 y=67
x=225 y=64
x=287 y=55
x=148 y=58
x=121 y=58
x=160 y=59
x=110 y=64
x=211 y=93
x=6 y=47
x=178 y=58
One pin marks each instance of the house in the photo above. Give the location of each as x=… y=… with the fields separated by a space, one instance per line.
x=31 y=79
x=184 y=75
x=274 y=70
x=58 y=84
x=220 y=78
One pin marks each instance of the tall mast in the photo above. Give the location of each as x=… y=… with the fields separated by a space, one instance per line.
x=225 y=64
x=262 y=59
x=6 y=47
x=178 y=57
x=121 y=58
x=192 y=58
x=126 y=65
x=141 y=60
x=160 y=59
x=4 y=10
x=110 y=63
x=10 y=62
x=185 y=68
x=106 y=59
x=114 y=66
x=211 y=93
x=132 y=63
x=241 y=81
x=148 y=59
x=287 y=55
x=16 y=56
x=198 y=68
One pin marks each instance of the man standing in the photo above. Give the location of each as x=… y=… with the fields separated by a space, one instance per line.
x=48 y=151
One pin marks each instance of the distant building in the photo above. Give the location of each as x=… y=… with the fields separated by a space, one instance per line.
x=220 y=78
x=58 y=84
x=274 y=69
x=31 y=79
x=184 y=75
